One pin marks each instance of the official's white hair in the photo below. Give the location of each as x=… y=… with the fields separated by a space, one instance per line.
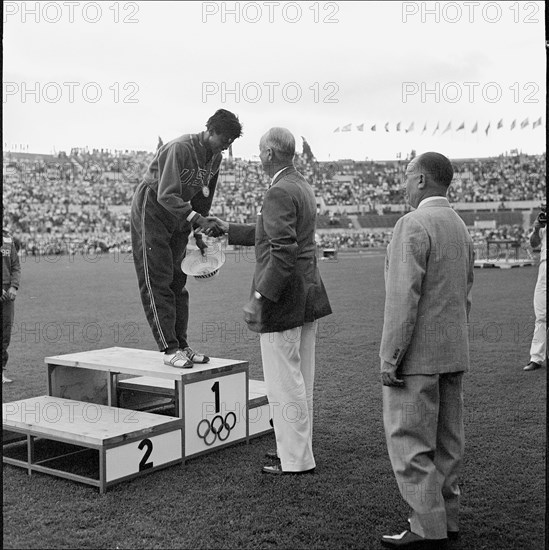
x=282 y=141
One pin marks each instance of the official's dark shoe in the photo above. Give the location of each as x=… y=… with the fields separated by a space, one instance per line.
x=452 y=535
x=411 y=541
x=273 y=455
x=532 y=365
x=277 y=470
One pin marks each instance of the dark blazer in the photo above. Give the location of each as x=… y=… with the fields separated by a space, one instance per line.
x=286 y=271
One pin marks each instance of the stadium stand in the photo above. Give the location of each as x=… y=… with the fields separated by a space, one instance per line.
x=79 y=202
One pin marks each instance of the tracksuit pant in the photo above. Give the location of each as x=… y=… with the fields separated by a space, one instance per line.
x=159 y=244
x=8 y=313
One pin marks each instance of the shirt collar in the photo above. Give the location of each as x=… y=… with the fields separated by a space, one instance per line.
x=278 y=173
x=429 y=199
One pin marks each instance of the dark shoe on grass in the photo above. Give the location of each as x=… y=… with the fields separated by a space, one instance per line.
x=410 y=541
x=532 y=365
x=277 y=470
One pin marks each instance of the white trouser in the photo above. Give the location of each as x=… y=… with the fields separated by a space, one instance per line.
x=537 y=349
x=289 y=370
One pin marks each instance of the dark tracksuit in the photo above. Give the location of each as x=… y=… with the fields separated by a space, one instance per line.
x=169 y=193
x=11 y=275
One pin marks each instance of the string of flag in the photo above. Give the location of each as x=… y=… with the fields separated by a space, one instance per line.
x=448 y=128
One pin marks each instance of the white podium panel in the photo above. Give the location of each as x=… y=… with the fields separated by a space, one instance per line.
x=215 y=412
x=139 y=456
x=259 y=419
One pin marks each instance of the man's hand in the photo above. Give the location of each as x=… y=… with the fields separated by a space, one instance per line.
x=209 y=227
x=200 y=243
x=388 y=375
x=12 y=293
x=4 y=296
x=221 y=225
x=252 y=311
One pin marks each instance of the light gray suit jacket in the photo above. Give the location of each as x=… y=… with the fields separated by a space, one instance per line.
x=428 y=279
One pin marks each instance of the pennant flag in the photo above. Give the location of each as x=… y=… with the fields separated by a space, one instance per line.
x=536 y=123
x=524 y=123
x=448 y=128
x=424 y=128
x=307 y=152
x=160 y=143
x=398 y=127
x=475 y=128
x=336 y=130
x=373 y=128
x=461 y=126
x=500 y=124
x=360 y=127
x=487 y=129
x=513 y=124
x=386 y=126
x=410 y=128
x=346 y=128
x=436 y=129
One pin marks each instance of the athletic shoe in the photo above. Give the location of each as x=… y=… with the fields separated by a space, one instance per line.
x=178 y=360
x=195 y=357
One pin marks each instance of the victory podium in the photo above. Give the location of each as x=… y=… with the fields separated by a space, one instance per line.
x=132 y=414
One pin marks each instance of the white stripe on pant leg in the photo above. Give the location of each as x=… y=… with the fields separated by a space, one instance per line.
x=146 y=270
x=287 y=397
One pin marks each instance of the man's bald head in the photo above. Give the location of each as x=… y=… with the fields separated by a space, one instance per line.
x=437 y=167
x=281 y=141
x=276 y=150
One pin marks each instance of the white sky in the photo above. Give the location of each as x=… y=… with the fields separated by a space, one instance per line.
x=362 y=60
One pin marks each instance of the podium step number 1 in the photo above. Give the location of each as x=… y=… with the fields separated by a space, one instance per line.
x=216 y=413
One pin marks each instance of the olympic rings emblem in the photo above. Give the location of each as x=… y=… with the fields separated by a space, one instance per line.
x=216 y=429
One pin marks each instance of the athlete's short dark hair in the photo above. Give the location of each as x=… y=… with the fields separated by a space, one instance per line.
x=225 y=123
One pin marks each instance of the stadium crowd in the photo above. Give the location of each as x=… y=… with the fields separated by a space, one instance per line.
x=80 y=201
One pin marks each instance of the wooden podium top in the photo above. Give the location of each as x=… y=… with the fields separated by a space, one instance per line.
x=86 y=423
x=140 y=363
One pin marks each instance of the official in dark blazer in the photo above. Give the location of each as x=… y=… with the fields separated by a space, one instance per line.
x=424 y=353
x=287 y=298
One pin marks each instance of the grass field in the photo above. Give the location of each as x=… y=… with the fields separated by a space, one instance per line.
x=221 y=500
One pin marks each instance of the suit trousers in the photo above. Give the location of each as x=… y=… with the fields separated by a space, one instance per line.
x=538 y=346
x=289 y=369
x=425 y=439
x=158 y=249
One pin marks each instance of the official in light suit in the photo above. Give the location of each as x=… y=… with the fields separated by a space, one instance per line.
x=287 y=298
x=424 y=353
